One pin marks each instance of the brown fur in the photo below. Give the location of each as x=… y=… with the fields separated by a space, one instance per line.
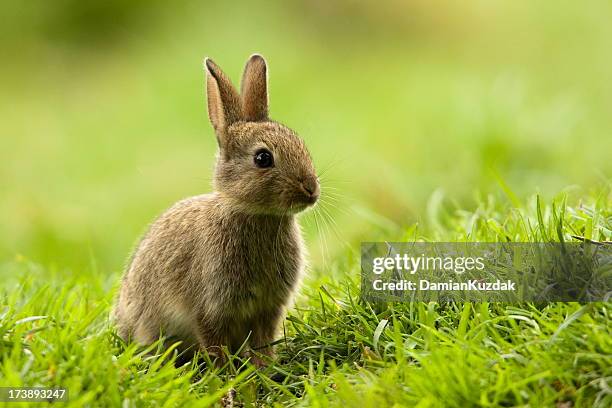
x=219 y=268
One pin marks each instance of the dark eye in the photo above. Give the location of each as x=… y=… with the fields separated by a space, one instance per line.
x=264 y=158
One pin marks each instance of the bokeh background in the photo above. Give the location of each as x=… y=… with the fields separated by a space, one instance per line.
x=406 y=106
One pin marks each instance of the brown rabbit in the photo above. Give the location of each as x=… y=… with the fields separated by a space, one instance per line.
x=217 y=269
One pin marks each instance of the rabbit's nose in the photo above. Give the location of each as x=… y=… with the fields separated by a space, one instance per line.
x=310 y=187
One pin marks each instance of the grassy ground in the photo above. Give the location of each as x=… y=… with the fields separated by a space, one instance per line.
x=336 y=350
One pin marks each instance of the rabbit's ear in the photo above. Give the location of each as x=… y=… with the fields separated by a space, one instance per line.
x=223 y=99
x=254 y=89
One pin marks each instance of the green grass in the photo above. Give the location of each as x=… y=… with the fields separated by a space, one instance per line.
x=336 y=350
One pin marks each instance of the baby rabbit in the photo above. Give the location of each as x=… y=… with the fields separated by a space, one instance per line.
x=217 y=269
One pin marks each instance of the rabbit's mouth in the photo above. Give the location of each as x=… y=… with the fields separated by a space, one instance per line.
x=299 y=201
x=305 y=193
x=298 y=207
x=299 y=194
x=307 y=201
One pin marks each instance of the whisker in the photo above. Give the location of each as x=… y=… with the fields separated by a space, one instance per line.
x=336 y=205
x=326 y=234
x=323 y=234
x=334 y=192
x=319 y=232
x=331 y=165
x=333 y=224
x=332 y=197
x=328 y=187
x=334 y=180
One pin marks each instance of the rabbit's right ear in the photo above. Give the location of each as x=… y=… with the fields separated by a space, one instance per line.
x=254 y=89
x=223 y=100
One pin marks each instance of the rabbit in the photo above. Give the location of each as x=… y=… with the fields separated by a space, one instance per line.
x=219 y=270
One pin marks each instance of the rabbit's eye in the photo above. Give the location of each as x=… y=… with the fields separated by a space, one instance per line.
x=264 y=158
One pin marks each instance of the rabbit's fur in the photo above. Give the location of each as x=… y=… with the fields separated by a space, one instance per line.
x=217 y=269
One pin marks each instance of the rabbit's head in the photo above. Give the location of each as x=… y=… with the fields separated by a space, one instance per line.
x=262 y=166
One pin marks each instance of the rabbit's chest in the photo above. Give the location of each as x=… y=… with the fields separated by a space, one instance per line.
x=264 y=272
x=250 y=268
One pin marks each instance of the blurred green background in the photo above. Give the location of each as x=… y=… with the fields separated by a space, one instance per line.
x=404 y=105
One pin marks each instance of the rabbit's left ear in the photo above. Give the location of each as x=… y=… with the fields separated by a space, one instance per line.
x=223 y=99
x=254 y=89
